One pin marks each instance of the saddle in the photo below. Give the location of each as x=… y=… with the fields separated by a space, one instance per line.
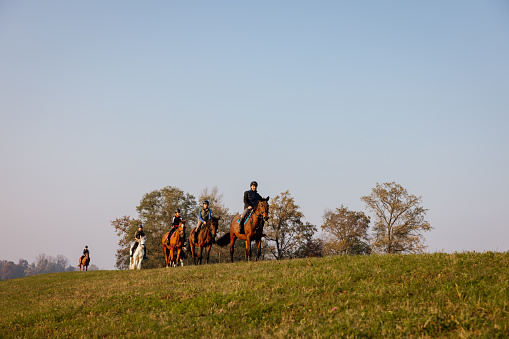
x=247 y=218
x=172 y=236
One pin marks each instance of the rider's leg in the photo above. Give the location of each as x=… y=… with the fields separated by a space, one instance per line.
x=133 y=248
x=197 y=231
x=170 y=233
x=242 y=220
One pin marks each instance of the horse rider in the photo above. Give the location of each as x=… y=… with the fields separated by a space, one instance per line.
x=251 y=198
x=204 y=214
x=175 y=222
x=85 y=252
x=139 y=233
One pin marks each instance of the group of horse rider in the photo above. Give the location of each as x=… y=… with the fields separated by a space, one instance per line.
x=251 y=198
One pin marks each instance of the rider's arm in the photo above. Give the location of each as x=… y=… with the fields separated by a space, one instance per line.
x=210 y=214
x=246 y=199
x=199 y=214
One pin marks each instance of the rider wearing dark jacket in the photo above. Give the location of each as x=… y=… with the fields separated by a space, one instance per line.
x=175 y=222
x=85 y=251
x=251 y=198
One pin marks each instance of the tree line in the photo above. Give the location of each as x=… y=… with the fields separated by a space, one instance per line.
x=42 y=264
x=398 y=225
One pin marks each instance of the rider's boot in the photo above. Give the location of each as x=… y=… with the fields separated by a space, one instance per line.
x=132 y=249
x=196 y=232
x=169 y=235
x=241 y=227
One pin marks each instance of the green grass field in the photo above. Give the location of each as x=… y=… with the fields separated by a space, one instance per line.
x=458 y=295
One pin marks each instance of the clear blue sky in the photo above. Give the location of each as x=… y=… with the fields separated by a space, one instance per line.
x=103 y=101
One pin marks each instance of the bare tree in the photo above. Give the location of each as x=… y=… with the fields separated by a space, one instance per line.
x=219 y=209
x=399 y=219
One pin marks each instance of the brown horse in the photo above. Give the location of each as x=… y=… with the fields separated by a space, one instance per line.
x=175 y=245
x=205 y=239
x=253 y=230
x=84 y=262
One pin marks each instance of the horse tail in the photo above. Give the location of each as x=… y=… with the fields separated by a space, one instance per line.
x=224 y=240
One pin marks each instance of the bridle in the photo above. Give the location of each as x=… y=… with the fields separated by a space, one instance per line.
x=210 y=226
x=262 y=212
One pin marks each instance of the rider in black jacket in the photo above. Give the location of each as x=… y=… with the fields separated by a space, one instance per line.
x=251 y=198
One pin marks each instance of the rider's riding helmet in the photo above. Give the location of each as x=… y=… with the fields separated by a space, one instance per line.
x=86 y=246
x=178 y=210
x=140 y=226
x=206 y=202
x=254 y=183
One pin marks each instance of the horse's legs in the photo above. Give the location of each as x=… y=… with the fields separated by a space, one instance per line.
x=232 y=245
x=248 y=248
x=200 y=253
x=208 y=252
x=258 y=249
x=192 y=247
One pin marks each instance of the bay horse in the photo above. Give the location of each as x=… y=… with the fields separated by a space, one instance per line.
x=253 y=230
x=175 y=245
x=205 y=239
x=84 y=262
x=137 y=258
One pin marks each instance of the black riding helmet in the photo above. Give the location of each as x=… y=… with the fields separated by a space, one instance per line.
x=254 y=183
x=178 y=210
x=206 y=202
x=140 y=226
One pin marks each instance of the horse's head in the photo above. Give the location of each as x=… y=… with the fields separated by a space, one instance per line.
x=262 y=209
x=182 y=226
x=142 y=241
x=214 y=223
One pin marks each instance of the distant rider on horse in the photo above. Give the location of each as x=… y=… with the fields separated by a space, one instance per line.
x=204 y=214
x=139 y=233
x=85 y=252
x=175 y=222
x=251 y=198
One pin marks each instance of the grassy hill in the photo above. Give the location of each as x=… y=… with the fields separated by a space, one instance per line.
x=432 y=295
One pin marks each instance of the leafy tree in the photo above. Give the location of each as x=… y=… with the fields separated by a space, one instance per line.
x=399 y=219
x=285 y=230
x=156 y=210
x=125 y=227
x=345 y=232
x=10 y=270
x=311 y=248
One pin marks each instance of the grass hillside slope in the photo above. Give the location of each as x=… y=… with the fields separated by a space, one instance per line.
x=430 y=295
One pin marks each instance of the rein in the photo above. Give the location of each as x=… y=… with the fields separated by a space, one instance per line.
x=209 y=226
x=256 y=209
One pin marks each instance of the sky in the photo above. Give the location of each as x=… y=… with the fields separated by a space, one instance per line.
x=102 y=102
